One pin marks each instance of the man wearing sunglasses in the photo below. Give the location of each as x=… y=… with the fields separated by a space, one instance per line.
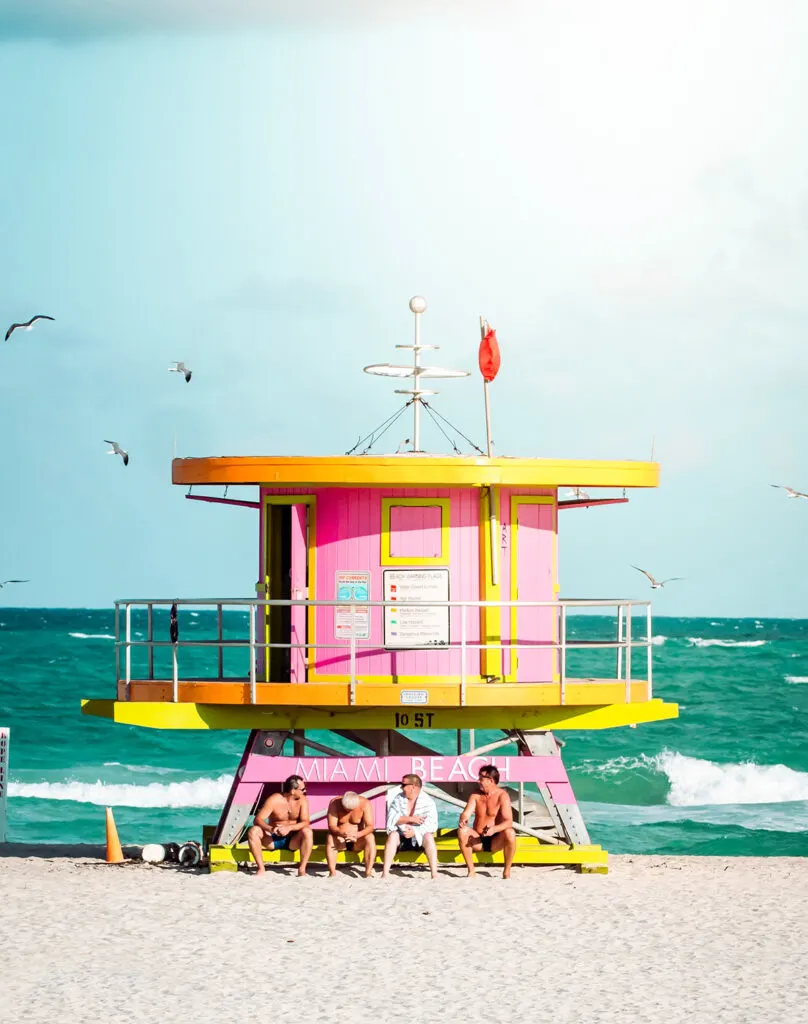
x=493 y=822
x=282 y=823
x=412 y=820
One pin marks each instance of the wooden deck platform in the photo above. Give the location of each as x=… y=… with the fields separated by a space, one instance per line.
x=450 y=694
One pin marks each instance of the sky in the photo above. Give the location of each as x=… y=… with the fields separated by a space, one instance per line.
x=258 y=189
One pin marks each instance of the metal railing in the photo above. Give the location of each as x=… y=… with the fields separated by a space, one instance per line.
x=624 y=641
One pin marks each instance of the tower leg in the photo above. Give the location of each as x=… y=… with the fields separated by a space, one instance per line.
x=559 y=797
x=243 y=796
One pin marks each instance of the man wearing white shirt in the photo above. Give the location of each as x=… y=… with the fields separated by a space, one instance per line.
x=412 y=820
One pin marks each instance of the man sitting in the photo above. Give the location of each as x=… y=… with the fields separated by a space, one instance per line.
x=350 y=827
x=493 y=822
x=412 y=820
x=282 y=823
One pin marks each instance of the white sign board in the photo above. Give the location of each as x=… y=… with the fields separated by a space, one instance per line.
x=416 y=627
x=5 y=736
x=352 y=620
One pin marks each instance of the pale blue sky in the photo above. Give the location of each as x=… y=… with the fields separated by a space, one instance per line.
x=258 y=189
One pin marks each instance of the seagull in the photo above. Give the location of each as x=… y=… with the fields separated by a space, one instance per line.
x=117 y=450
x=791 y=492
x=656 y=584
x=181 y=368
x=578 y=493
x=12 y=581
x=28 y=324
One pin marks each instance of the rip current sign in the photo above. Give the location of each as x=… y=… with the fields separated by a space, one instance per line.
x=352 y=620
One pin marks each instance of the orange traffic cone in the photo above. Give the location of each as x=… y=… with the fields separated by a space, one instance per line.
x=114 y=851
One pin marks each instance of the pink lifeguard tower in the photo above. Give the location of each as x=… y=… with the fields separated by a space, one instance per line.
x=405 y=602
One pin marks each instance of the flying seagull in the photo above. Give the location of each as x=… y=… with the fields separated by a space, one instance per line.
x=117 y=450
x=578 y=493
x=656 y=584
x=12 y=581
x=28 y=324
x=181 y=368
x=791 y=492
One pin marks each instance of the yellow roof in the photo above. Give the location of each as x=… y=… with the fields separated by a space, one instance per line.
x=412 y=471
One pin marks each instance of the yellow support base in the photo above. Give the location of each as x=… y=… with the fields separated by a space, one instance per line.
x=587 y=859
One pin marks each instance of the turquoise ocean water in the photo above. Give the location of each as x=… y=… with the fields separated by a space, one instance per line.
x=729 y=776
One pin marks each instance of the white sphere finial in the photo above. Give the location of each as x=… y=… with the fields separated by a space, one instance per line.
x=417 y=304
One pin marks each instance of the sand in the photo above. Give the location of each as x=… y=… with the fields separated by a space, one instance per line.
x=658 y=940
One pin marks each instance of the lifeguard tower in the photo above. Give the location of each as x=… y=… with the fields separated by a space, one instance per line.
x=405 y=602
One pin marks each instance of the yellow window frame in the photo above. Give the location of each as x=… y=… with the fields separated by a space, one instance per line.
x=389 y=503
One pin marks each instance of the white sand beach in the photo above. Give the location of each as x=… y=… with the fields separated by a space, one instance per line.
x=659 y=939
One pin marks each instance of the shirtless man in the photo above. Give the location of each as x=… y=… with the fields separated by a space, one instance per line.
x=350 y=827
x=493 y=822
x=282 y=823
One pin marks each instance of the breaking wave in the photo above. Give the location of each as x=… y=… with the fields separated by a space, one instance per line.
x=698 y=641
x=694 y=782
x=190 y=793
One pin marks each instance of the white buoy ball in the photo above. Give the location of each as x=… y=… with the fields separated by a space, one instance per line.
x=417 y=304
x=153 y=853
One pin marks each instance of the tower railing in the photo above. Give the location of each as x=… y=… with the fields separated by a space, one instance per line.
x=129 y=639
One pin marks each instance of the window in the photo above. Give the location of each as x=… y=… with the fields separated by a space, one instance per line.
x=415 y=531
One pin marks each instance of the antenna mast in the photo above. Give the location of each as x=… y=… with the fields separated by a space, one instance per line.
x=416 y=371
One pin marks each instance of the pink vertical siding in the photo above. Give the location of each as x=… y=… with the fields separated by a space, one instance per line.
x=415 y=531
x=348 y=532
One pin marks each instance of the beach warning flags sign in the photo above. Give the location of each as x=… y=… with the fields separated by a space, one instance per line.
x=489 y=357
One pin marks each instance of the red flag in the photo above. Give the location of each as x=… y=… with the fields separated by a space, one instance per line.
x=489 y=355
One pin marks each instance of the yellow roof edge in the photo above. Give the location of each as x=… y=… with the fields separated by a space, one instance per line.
x=414 y=471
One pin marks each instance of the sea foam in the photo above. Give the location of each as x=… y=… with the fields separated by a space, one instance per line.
x=697 y=782
x=698 y=641
x=190 y=793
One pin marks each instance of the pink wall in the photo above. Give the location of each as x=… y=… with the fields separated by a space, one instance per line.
x=348 y=537
x=348 y=525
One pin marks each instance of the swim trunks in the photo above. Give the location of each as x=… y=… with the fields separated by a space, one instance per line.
x=409 y=842
x=486 y=841
x=349 y=845
x=281 y=842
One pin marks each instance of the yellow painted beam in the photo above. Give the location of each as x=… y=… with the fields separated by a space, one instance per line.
x=165 y=715
x=413 y=471
x=528 y=851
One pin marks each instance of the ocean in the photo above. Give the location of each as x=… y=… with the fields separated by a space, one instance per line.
x=728 y=777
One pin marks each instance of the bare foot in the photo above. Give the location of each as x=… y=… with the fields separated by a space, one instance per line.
x=471 y=874
x=506 y=874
